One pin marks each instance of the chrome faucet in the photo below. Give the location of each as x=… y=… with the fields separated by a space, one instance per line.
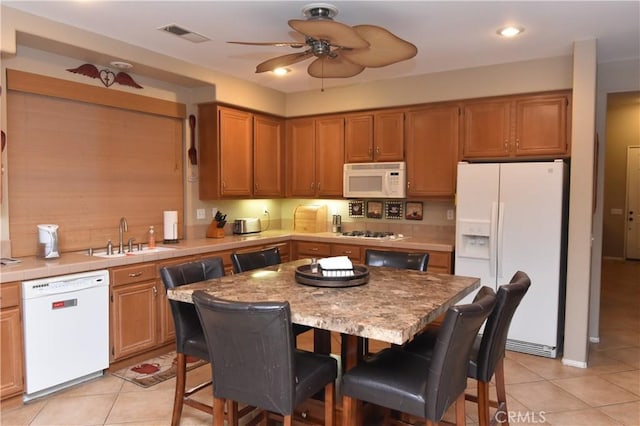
x=124 y=227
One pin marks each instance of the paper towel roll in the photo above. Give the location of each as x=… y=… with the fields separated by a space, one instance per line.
x=170 y=225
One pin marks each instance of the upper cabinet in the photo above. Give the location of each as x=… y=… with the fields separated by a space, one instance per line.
x=240 y=153
x=432 y=150
x=533 y=126
x=315 y=156
x=375 y=136
x=268 y=156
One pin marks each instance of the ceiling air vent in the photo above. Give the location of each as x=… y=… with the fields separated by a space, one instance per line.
x=184 y=33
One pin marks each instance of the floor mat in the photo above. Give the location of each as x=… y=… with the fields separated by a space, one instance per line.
x=156 y=370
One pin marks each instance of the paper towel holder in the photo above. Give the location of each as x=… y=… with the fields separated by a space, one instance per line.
x=170 y=234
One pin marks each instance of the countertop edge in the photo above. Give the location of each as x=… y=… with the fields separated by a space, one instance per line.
x=68 y=263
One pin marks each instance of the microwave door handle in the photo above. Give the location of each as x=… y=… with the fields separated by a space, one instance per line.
x=386 y=188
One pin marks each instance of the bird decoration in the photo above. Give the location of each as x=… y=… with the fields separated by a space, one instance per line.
x=106 y=76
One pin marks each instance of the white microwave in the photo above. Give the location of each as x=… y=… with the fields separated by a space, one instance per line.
x=375 y=180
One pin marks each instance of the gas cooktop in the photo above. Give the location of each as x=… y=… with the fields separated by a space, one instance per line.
x=375 y=235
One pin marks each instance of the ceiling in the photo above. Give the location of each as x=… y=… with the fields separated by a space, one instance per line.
x=448 y=34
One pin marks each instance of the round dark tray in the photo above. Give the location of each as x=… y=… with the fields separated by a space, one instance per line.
x=305 y=276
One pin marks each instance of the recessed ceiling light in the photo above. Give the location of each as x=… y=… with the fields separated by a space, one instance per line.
x=281 y=71
x=121 y=65
x=510 y=31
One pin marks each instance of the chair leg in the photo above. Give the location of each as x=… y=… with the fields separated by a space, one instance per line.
x=218 y=411
x=460 y=414
x=181 y=379
x=288 y=420
x=483 y=403
x=501 y=390
x=232 y=413
x=329 y=404
x=348 y=414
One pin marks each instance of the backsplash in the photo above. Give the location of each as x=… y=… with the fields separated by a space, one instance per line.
x=434 y=222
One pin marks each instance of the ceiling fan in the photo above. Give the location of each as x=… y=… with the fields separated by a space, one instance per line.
x=340 y=50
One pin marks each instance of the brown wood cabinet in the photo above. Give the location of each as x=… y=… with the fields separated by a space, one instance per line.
x=315 y=157
x=11 y=342
x=240 y=153
x=439 y=261
x=432 y=150
x=135 y=312
x=532 y=126
x=352 y=251
x=375 y=136
x=268 y=151
x=309 y=249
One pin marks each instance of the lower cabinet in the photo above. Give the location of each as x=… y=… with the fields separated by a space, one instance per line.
x=11 y=342
x=134 y=309
x=353 y=252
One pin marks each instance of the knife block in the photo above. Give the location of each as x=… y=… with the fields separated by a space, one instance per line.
x=214 y=231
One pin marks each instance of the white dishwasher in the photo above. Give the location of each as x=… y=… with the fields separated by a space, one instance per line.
x=66 y=330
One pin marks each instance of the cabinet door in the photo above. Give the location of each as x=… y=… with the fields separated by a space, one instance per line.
x=329 y=156
x=358 y=138
x=167 y=331
x=134 y=313
x=388 y=136
x=432 y=151
x=236 y=152
x=11 y=369
x=349 y=250
x=486 y=129
x=541 y=126
x=301 y=178
x=267 y=157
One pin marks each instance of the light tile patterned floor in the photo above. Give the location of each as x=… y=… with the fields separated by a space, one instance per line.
x=539 y=390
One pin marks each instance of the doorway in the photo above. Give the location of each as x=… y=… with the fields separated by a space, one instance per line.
x=632 y=231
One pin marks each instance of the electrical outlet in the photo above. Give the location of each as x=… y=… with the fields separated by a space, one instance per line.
x=200 y=214
x=449 y=214
x=265 y=211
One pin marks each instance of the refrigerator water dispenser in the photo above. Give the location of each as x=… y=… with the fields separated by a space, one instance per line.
x=474 y=239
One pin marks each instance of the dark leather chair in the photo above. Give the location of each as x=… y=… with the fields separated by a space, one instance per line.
x=248 y=261
x=397 y=259
x=414 y=384
x=487 y=353
x=254 y=359
x=190 y=339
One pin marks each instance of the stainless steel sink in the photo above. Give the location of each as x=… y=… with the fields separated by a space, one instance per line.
x=133 y=253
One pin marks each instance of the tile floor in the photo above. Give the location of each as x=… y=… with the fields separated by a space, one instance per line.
x=540 y=390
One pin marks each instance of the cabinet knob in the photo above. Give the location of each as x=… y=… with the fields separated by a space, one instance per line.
x=134 y=274
x=313 y=185
x=155 y=291
x=506 y=146
x=255 y=185
x=517 y=144
x=370 y=150
x=377 y=150
x=318 y=186
x=408 y=184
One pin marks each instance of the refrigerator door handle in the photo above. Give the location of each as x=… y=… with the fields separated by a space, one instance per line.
x=493 y=239
x=500 y=239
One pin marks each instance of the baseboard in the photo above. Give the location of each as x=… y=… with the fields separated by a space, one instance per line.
x=573 y=363
x=613 y=258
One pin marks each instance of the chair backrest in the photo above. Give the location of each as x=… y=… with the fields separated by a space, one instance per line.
x=448 y=370
x=185 y=318
x=397 y=259
x=494 y=338
x=256 y=259
x=252 y=351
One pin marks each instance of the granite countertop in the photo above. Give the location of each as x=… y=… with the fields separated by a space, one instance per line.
x=68 y=263
x=392 y=307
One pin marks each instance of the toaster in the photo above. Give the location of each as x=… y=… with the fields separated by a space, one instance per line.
x=247 y=225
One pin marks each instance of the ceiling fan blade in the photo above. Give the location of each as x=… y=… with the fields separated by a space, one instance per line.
x=327 y=67
x=283 y=61
x=336 y=33
x=294 y=44
x=385 y=48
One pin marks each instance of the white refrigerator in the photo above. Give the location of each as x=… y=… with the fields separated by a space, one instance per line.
x=510 y=217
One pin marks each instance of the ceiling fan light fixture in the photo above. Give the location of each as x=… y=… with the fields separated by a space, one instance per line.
x=281 y=71
x=509 y=31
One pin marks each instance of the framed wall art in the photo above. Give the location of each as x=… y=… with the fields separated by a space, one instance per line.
x=393 y=210
x=356 y=208
x=413 y=210
x=374 y=209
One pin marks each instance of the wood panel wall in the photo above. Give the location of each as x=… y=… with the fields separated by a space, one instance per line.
x=83 y=165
